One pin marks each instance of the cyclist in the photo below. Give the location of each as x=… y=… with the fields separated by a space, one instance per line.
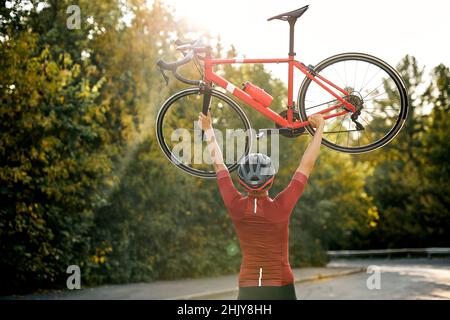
x=262 y=223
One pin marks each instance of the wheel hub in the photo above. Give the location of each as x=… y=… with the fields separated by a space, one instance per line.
x=354 y=99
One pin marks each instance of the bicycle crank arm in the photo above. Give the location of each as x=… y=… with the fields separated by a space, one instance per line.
x=288 y=132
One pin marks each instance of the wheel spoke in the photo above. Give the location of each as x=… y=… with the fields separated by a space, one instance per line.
x=380 y=101
x=370 y=80
x=373 y=90
x=348 y=133
x=340 y=127
x=364 y=119
x=365 y=75
x=384 y=108
x=345 y=73
x=343 y=82
x=341 y=131
x=374 y=114
x=384 y=92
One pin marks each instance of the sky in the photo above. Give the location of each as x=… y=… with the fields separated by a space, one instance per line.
x=388 y=29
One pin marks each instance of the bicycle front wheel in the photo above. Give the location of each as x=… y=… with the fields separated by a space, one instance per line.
x=374 y=87
x=181 y=140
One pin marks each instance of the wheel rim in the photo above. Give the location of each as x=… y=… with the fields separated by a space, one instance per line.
x=369 y=80
x=177 y=119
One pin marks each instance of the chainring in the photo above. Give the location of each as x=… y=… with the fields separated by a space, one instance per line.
x=292 y=133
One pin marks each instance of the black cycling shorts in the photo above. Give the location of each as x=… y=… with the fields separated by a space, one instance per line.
x=268 y=293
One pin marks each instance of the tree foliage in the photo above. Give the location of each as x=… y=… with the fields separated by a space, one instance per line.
x=83 y=181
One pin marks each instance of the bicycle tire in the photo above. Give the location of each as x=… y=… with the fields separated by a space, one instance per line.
x=404 y=103
x=165 y=148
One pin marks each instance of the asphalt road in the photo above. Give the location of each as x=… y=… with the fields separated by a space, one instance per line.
x=399 y=279
x=181 y=289
x=341 y=279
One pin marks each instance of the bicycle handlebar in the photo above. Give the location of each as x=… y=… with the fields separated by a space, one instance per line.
x=173 y=66
x=178 y=42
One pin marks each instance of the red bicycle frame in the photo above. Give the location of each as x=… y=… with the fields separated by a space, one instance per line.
x=211 y=77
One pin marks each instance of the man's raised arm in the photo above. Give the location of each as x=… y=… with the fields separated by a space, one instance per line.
x=213 y=147
x=227 y=190
x=312 y=152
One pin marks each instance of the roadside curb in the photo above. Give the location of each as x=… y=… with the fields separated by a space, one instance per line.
x=319 y=276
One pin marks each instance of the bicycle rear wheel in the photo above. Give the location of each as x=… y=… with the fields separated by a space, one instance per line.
x=177 y=120
x=375 y=88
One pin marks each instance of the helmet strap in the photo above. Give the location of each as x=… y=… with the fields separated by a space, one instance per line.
x=265 y=186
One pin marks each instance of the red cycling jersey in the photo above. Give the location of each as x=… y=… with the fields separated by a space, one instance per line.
x=262 y=226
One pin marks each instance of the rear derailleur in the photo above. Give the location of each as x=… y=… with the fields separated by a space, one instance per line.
x=355 y=100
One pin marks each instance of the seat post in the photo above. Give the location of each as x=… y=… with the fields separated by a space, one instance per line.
x=291 y=36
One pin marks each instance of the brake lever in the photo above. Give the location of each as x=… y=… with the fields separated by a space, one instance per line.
x=166 y=78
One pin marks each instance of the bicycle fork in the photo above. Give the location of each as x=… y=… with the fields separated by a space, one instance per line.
x=206 y=102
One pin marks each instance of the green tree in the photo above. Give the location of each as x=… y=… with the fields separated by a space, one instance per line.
x=408 y=183
x=435 y=199
x=51 y=160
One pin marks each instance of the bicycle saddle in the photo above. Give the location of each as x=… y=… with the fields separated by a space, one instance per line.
x=291 y=14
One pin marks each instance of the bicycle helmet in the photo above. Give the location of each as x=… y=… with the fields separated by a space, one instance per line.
x=256 y=172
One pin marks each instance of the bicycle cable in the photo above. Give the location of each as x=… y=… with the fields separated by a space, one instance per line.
x=198 y=66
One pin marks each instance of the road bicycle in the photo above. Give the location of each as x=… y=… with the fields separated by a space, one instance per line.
x=363 y=99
